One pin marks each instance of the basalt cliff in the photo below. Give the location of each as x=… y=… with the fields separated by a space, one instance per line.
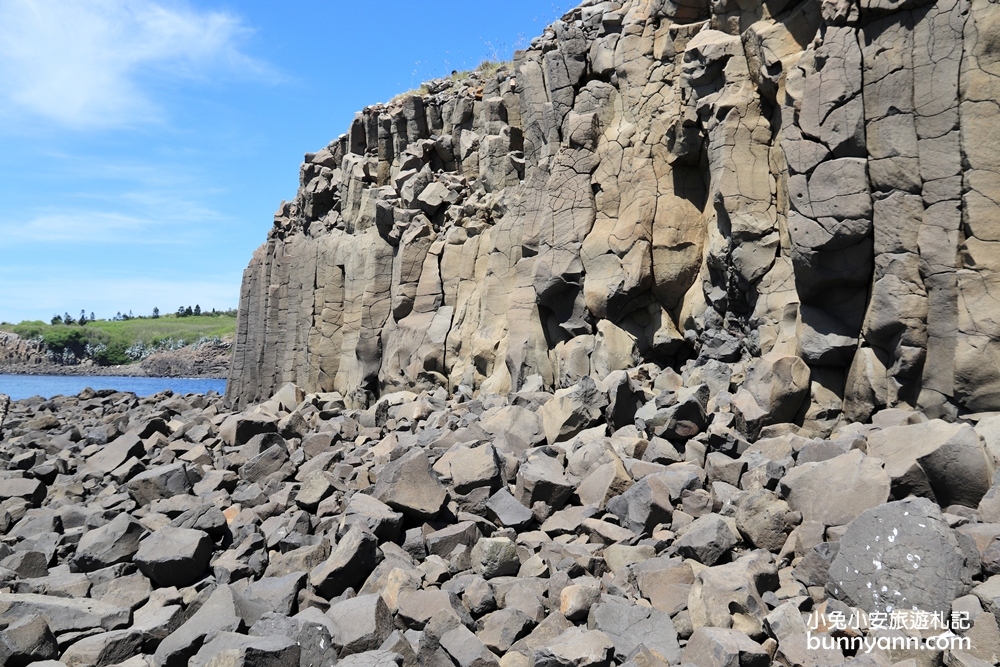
x=805 y=189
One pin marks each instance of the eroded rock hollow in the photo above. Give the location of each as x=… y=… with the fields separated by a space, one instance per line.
x=808 y=189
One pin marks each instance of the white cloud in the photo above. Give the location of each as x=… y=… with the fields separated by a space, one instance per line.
x=93 y=63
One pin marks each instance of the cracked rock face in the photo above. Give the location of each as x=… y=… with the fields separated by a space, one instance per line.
x=653 y=181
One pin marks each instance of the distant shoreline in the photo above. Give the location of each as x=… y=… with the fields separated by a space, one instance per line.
x=128 y=370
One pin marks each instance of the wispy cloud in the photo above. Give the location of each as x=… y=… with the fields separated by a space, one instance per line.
x=94 y=63
x=139 y=218
x=82 y=227
x=117 y=202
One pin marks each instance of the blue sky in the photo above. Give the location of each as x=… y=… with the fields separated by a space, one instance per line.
x=145 y=144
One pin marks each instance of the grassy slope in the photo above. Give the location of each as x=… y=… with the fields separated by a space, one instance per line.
x=125 y=333
x=149 y=331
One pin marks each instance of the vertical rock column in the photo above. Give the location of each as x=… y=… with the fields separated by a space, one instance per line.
x=830 y=205
x=977 y=343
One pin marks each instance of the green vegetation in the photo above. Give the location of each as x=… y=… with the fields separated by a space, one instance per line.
x=112 y=342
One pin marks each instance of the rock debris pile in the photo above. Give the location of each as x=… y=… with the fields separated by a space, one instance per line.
x=646 y=518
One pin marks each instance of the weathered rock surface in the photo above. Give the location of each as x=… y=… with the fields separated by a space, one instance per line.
x=439 y=529
x=806 y=188
x=115 y=542
x=614 y=355
x=174 y=556
x=902 y=555
x=941 y=461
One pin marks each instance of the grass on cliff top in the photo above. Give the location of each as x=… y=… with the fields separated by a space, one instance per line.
x=488 y=67
x=125 y=333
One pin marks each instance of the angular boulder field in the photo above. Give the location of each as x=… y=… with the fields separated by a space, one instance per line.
x=635 y=350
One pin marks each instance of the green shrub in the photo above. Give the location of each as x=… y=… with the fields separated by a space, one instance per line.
x=59 y=338
x=112 y=355
x=125 y=341
x=30 y=329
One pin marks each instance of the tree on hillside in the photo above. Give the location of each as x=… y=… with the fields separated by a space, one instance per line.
x=197 y=309
x=68 y=319
x=188 y=312
x=56 y=319
x=83 y=318
x=156 y=313
x=92 y=318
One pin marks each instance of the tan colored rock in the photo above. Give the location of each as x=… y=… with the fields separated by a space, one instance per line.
x=941 y=461
x=819 y=182
x=836 y=491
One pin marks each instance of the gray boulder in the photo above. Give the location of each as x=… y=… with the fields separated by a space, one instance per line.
x=731 y=595
x=238 y=429
x=500 y=629
x=106 y=648
x=350 y=563
x=495 y=557
x=114 y=542
x=542 y=478
x=310 y=629
x=31 y=490
x=160 y=482
x=504 y=508
x=902 y=555
x=474 y=467
x=466 y=649
x=573 y=409
x=772 y=392
x=665 y=582
x=416 y=608
x=361 y=623
x=576 y=647
x=381 y=520
x=270 y=461
x=443 y=542
x=760 y=518
x=377 y=658
x=174 y=556
x=944 y=462
x=644 y=505
x=836 y=491
x=630 y=626
x=316 y=487
x=116 y=453
x=408 y=485
x=64 y=614
x=706 y=540
x=229 y=649
x=224 y=611
x=724 y=647
x=27 y=564
x=26 y=640
x=279 y=594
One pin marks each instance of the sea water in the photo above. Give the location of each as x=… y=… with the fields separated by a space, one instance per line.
x=47 y=386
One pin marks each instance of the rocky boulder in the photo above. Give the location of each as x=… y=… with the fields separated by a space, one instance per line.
x=937 y=460
x=902 y=555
